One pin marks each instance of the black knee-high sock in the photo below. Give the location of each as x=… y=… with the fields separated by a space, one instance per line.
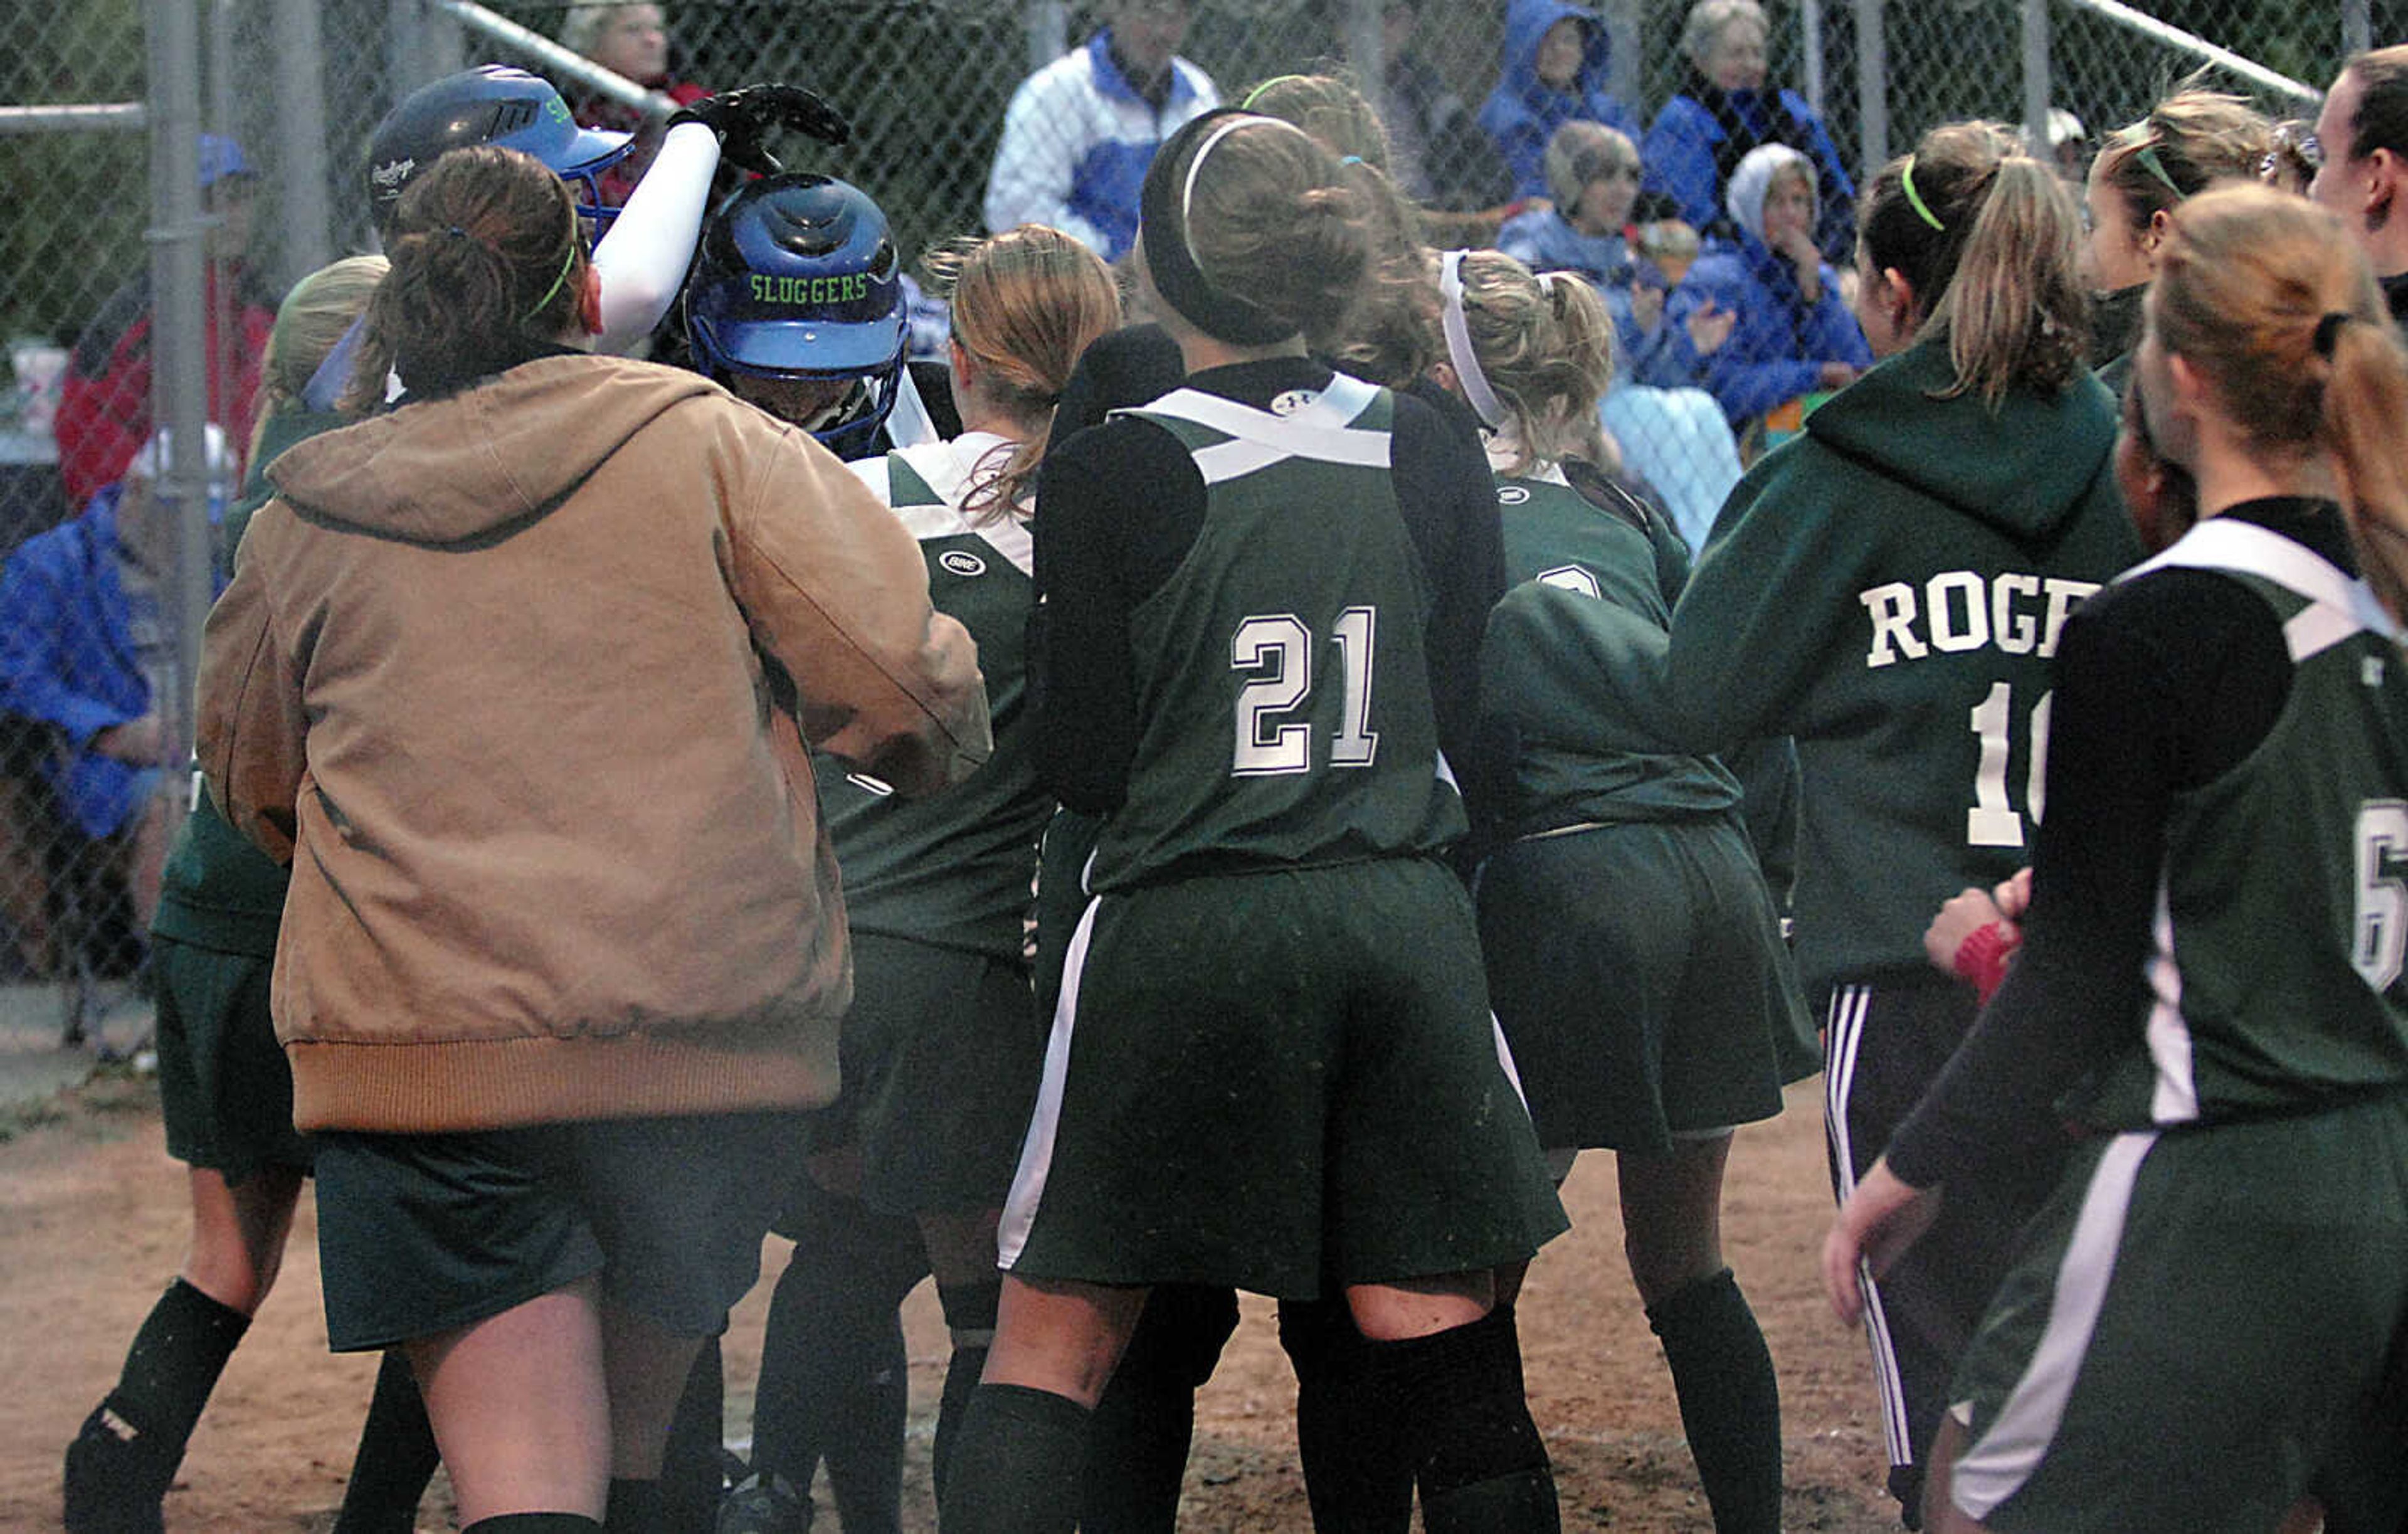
x=691 y=1478
x=1456 y=1402
x=1017 y=1464
x=1357 y=1476
x=535 y=1522
x=396 y=1458
x=833 y=1375
x=124 y=1458
x=636 y=1507
x=1143 y=1424
x=970 y=1316
x=1730 y=1400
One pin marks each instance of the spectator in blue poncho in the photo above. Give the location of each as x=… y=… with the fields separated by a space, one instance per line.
x=1795 y=335
x=1553 y=70
x=1724 y=110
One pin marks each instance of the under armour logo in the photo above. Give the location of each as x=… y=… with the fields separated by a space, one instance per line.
x=2369 y=671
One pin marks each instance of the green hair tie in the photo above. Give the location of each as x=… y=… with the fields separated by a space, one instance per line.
x=1257 y=94
x=565 y=267
x=1915 y=200
x=2147 y=155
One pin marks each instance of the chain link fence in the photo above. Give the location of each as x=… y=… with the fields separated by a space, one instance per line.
x=289 y=90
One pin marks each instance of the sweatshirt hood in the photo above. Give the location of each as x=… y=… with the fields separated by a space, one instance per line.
x=2025 y=468
x=464 y=465
x=1525 y=24
x=1743 y=200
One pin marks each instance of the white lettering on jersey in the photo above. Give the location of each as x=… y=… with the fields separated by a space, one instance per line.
x=1961 y=610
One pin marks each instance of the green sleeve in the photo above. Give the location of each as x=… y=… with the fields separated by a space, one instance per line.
x=1772 y=592
x=1563 y=667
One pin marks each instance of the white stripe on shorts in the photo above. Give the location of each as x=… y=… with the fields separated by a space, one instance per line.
x=1843 y=1031
x=1998 y=1463
x=1036 y=1147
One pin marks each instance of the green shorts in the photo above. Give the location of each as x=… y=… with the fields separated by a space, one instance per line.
x=225 y=1089
x=2197 y=1325
x=420 y=1234
x=941 y=1052
x=1639 y=976
x=1276 y=1081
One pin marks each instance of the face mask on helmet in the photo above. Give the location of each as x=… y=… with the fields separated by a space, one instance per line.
x=490 y=105
x=797 y=295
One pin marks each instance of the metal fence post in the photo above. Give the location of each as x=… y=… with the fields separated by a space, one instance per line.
x=1366 y=49
x=302 y=139
x=1872 y=89
x=2357 y=30
x=179 y=346
x=2037 y=89
x=1809 y=49
x=1048 y=32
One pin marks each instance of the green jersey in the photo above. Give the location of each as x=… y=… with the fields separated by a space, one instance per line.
x=2282 y=921
x=1283 y=685
x=955 y=869
x=1564 y=556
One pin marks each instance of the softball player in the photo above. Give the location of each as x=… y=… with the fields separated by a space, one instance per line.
x=943 y=1046
x=2211 y=979
x=2141 y=175
x=1889 y=590
x=1634 y=953
x=225 y=1092
x=1271 y=1064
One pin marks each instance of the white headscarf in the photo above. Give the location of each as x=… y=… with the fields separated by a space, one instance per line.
x=1753 y=178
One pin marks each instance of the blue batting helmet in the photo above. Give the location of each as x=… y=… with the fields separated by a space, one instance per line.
x=493 y=104
x=798 y=278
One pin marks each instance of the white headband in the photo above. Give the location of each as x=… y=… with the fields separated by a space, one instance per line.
x=1196 y=162
x=1458 y=343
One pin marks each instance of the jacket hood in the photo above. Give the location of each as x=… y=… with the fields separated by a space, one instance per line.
x=1743 y=199
x=2025 y=468
x=464 y=465
x=1525 y=23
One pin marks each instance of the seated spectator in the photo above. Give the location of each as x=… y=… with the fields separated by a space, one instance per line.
x=1669 y=432
x=632 y=41
x=1723 y=111
x=1795 y=334
x=1079 y=132
x=87 y=651
x=1437 y=155
x=105 y=404
x=1553 y=70
x=1593 y=175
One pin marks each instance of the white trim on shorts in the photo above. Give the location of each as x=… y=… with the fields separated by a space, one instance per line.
x=1843 y=1031
x=1996 y=1465
x=1036 y=1148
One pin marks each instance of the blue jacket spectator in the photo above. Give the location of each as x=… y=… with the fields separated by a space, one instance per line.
x=1079 y=132
x=1794 y=335
x=1723 y=111
x=84 y=649
x=1551 y=71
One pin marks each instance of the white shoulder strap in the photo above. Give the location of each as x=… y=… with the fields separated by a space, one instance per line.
x=2338 y=605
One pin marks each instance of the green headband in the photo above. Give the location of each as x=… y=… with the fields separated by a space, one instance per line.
x=1257 y=94
x=2147 y=155
x=565 y=267
x=1914 y=198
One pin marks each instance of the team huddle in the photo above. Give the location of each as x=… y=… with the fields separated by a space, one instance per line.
x=1249 y=806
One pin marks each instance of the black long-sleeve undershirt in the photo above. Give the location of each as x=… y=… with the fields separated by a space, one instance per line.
x=1118 y=507
x=2163 y=683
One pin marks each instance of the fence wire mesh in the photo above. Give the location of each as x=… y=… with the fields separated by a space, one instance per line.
x=299 y=84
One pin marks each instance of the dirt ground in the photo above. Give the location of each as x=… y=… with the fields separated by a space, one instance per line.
x=92 y=1224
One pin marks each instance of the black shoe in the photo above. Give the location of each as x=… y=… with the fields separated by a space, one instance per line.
x=764 y=1502
x=111 y=1487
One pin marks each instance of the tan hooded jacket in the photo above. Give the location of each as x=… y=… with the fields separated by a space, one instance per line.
x=507 y=675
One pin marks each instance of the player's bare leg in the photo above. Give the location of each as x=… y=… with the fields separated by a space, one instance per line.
x=519 y=1407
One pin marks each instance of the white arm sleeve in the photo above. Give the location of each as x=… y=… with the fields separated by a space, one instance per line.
x=642 y=259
